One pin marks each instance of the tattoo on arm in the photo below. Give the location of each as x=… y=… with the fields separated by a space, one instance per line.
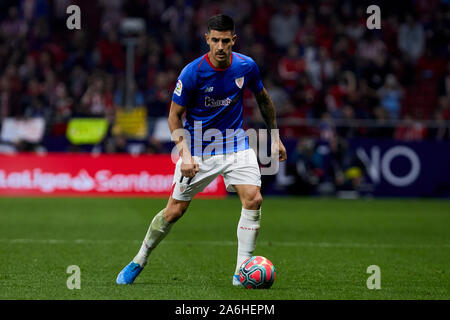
x=267 y=109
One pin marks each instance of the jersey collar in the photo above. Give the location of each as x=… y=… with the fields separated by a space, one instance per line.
x=219 y=69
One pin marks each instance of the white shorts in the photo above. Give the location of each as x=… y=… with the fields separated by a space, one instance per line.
x=236 y=168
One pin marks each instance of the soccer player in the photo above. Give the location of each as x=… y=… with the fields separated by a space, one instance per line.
x=209 y=90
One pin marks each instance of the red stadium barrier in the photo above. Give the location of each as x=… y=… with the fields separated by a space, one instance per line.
x=65 y=174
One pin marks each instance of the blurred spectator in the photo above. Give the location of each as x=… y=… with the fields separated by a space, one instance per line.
x=34 y=9
x=10 y=101
x=98 y=99
x=303 y=165
x=390 y=96
x=347 y=130
x=116 y=144
x=333 y=170
x=411 y=38
x=376 y=71
x=319 y=66
x=262 y=13
x=305 y=96
x=284 y=25
x=13 y=26
x=336 y=96
x=137 y=96
x=290 y=67
x=38 y=108
x=279 y=96
x=179 y=19
x=63 y=104
x=158 y=97
x=371 y=47
x=111 y=52
x=327 y=128
x=429 y=66
x=356 y=26
x=112 y=14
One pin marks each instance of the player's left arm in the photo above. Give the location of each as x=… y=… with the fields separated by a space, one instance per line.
x=268 y=113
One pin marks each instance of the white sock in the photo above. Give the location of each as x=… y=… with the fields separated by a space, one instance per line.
x=247 y=232
x=158 y=229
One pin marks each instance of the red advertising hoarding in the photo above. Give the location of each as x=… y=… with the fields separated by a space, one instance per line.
x=66 y=174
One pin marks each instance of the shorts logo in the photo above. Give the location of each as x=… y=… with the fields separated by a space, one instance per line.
x=181 y=188
x=239 y=82
x=178 y=88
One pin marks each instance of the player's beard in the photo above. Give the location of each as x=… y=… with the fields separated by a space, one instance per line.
x=222 y=59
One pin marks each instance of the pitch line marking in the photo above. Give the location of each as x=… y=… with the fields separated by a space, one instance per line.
x=229 y=243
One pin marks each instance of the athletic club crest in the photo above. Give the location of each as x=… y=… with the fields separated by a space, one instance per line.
x=239 y=82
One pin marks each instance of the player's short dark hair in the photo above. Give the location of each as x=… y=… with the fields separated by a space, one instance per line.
x=221 y=22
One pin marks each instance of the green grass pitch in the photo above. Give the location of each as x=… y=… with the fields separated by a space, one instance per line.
x=321 y=248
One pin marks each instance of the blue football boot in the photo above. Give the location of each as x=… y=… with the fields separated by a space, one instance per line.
x=129 y=273
x=236 y=281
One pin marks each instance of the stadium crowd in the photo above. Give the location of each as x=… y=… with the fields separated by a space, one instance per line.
x=323 y=68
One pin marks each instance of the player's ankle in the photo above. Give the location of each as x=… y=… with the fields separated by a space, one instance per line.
x=141 y=260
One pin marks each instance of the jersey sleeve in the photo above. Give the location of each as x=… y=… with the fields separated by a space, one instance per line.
x=184 y=87
x=255 y=83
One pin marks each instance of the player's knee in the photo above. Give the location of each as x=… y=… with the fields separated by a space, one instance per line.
x=174 y=212
x=172 y=215
x=254 y=202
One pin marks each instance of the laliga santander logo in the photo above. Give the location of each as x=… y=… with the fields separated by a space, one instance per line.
x=36 y=179
x=83 y=182
x=102 y=181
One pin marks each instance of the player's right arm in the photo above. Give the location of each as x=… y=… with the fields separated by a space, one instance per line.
x=188 y=166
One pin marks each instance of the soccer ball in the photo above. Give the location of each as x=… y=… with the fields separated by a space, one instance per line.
x=257 y=273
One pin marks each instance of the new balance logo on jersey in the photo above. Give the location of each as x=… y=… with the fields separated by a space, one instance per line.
x=209 y=89
x=210 y=102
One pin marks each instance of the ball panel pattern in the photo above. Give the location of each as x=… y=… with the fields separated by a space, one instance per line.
x=257 y=272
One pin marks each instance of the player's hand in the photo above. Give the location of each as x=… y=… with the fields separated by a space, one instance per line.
x=189 y=167
x=280 y=150
x=283 y=154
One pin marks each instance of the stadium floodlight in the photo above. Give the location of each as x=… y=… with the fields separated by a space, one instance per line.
x=131 y=28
